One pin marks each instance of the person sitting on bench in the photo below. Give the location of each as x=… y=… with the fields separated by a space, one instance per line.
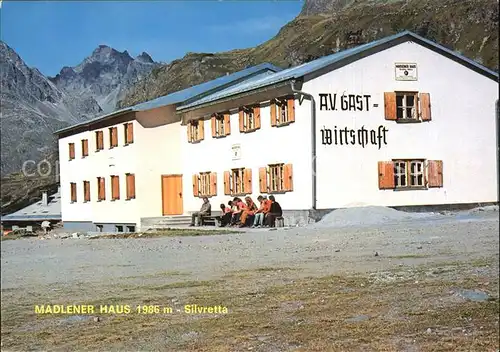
x=275 y=211
x=238 y=207
x=206 y=210
x=265 y=204
x=248 y=212
x=226 y=214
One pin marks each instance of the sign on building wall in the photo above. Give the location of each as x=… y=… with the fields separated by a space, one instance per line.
x=405 y=71
x=236 y=151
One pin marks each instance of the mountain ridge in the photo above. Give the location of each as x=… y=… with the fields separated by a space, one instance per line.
x=469 y=27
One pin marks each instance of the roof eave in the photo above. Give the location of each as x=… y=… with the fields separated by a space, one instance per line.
x=92 y=122
x=263 y=89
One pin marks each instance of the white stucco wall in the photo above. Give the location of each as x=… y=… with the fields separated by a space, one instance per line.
x=159 y=154
x=288 y=144
x=104 y=163
x=461 y=133
x=155 y=152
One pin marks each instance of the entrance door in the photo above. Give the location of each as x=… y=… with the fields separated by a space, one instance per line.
x=171 y=189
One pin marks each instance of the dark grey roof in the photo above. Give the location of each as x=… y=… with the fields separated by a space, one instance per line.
x=184 y=95
x=346 y=55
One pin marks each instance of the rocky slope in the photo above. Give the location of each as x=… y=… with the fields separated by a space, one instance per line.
x=34 y=106
x=104 y=76
x=32 y=109
x=327 y=26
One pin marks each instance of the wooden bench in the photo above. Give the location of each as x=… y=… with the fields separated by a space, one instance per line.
x=210 y=220
x=279 y=222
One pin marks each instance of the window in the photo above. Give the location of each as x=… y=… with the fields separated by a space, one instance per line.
x=196 y=131
x=238 y=181
x=115 y=187
x=130 y=180
x=119 y=228
x=99 y=228
x=276 y=178
x=129 y=133
x=86 y=191
x=73 y=192
x=101 y=189
x=205 y=184
x=282 y=111
x=71 y=151
x=85 y=148
x=113 y=137
x=407 y=106
x=99 y=139
x=249 y=118
x=410 y=174
x=130 y=228
x=221 y=125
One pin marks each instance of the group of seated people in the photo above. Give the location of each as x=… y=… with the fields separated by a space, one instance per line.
x=246 y=213
x=243 y=213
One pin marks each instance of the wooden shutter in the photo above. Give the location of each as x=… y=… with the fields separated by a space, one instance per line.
x=85 y=147
x=263 y=180
x=99 y=136
x=73 y=192
x=242 y=120
x=256 y=114
x=196 y=180
x=247 y=179
x=291 y=109
x=386 y=175
x=214 y=126
x=129 y=133
x=227 y=124
x=213 y=183
x=273 y=113
x=101 y=184
x=435 y=173
x=71 y=151
x=86 y=191
x=113 y=137
x=130 y=186
x=390 y=106
x=115 y=187
x=425 y=106
x=189 y=131
x=227 y=183
x=201 y=129
x=288 y=177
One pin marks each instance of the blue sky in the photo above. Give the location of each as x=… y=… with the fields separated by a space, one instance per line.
x=50 y=35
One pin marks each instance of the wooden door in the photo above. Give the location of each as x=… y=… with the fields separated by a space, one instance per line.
x=171 y=189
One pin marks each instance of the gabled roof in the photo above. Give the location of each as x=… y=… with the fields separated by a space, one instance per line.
x=185 y=95
x=345 y=56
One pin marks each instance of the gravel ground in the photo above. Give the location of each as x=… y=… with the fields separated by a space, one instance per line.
x=318 y=251
x=426 y=271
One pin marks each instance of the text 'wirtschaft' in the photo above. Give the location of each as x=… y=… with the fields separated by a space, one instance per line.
x=362 y=136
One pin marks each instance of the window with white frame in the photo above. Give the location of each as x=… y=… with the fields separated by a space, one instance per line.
x=276 y=178
x=409 y=173
x=282 y=111
x=204 y=187
x=406 y=105
x=238 y=181
x=219 y=125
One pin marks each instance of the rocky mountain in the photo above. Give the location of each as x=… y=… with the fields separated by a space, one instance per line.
x=327 y=26
x=104 y=76
x=34 y=106
x=32 y=109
